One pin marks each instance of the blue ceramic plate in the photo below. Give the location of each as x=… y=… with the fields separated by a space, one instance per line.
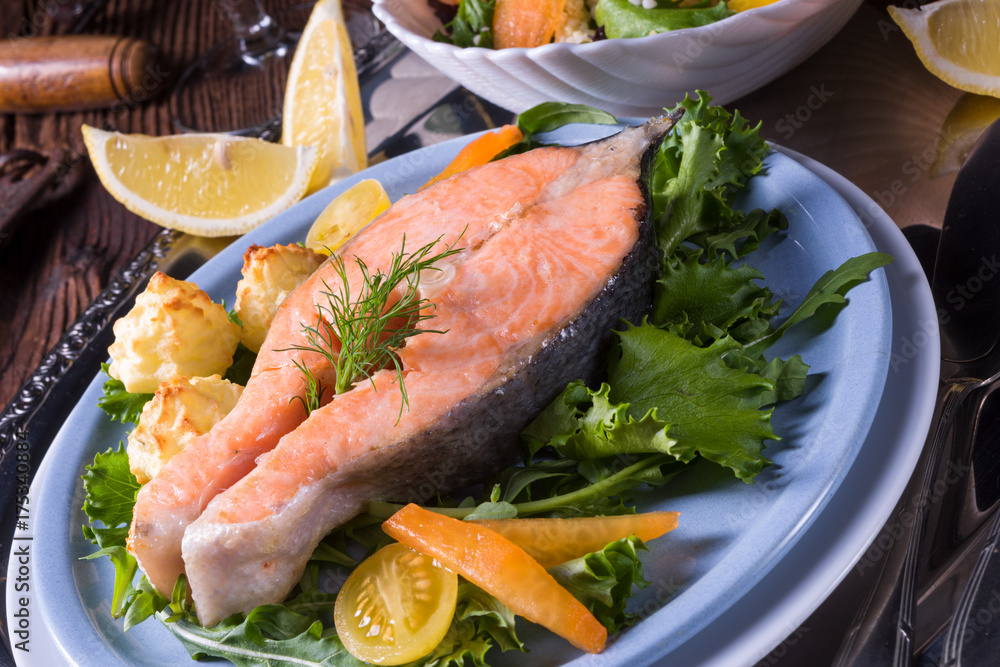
x=731 y=534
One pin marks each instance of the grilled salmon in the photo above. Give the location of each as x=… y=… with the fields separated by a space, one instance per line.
x=555 y=250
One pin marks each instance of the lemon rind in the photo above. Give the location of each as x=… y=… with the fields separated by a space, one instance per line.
x=914 y=23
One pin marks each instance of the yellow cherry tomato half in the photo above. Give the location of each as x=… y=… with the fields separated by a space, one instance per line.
x=395 y=607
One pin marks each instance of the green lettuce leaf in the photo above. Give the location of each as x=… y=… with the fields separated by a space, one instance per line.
x=706 y=301
x=120 y=404
x=243 y=361
x=699 y=167
x=481 y=622
x=603 y=581
x=582 y=424
x=714 y=410
x=472 y=25
x=623 y=19
x=110 y=489
x=550 y=116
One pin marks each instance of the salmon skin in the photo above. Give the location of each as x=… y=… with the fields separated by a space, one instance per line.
x=556 y=249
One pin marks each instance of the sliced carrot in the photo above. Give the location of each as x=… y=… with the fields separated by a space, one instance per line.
x=501 y=568
x=480 y=151
x=554 y=541
x=525 y=23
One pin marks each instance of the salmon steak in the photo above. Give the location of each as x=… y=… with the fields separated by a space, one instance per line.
x=554 y=250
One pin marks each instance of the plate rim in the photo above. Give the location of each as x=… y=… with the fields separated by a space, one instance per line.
x=762 y=631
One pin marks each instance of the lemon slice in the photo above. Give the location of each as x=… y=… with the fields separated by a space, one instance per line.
x=323 y=99
x=957 y=41
x=202 y=184
x=968 y=119
x=344 y=216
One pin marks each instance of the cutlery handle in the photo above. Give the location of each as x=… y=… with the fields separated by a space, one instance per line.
x=62 y=73
x=959 y=630
x=882 y=631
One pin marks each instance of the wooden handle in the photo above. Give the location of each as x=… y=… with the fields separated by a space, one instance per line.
x=39 y=74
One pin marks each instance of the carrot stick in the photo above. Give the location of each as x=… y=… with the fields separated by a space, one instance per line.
x=555 y=541
x=480 y=151
x=525 y=23
x=501 y=568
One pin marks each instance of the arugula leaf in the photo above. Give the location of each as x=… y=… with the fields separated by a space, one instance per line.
x=144 y=603
x=828 y=292
x=118 y=403
x=715 y=411
x=125 y=567
x=472 y=25
x=603 y=581
x=268 y=635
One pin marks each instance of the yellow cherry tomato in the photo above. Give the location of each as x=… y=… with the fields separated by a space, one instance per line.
x=395 y=607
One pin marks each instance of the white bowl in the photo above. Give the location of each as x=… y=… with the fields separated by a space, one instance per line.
x=630 y=77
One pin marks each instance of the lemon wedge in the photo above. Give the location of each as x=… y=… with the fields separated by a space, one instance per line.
x=202 y=184
x=968 y=119
x=344 y=216
x=957 y=41
x=323 y=98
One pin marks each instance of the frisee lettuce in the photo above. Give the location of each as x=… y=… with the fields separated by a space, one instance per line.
x=692 y=377
x=603 y=581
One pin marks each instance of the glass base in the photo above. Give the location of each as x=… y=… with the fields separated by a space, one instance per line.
x=223 y=92
x=236 y=91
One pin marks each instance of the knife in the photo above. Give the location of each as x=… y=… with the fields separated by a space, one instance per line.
x=975 y=500
x=938 y=516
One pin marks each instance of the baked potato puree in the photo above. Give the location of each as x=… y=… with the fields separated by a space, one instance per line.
x=181 y=410
x=269 y=275
x=174 y=330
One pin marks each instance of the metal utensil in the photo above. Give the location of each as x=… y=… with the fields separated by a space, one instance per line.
x=969 y=632
x=933 y=516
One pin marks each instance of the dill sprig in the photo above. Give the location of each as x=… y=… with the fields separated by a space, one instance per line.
x=314 y=389
x=359 y=336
